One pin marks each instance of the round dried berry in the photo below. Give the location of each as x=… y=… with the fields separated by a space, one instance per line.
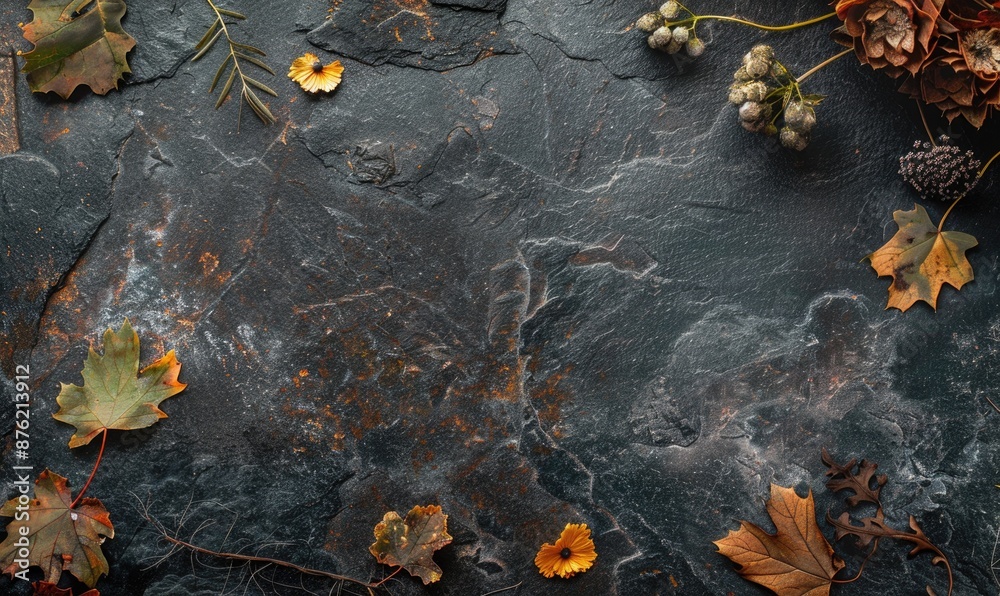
x=799 y=116
x=649 y=22
x=670 y=9
x=660 y=38
x=793 y=139
x=695 y=47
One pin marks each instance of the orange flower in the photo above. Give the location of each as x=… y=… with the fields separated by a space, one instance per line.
x=573 y=553
x=310 y=73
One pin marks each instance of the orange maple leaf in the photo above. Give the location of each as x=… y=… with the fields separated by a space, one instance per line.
x=797 y=560
x=921 y=258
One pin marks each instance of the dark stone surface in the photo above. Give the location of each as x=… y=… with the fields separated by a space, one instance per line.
x=518 y=265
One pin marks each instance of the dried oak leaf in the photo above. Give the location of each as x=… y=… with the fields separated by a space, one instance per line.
x=112 y=395
x=410 y=543
x=50 y=589
x=842 y=477
x=76 y=43
x=921 y=259
x=796 y=560
x=61 y=539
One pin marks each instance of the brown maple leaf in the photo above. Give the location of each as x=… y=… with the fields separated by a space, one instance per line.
x=920 y=259
x=76 y=43
x=115 y=395
x=60 y=538
x=410 y=543
x=796 y=560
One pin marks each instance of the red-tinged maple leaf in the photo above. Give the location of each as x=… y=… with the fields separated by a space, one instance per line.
x=796 y=560
x=50 y=589
x=115 y=395
x=76 y=43
x=410 y=543
x=60 y=538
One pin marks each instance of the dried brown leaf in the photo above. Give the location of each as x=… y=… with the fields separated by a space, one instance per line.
x=796 y=560
x=410 y=543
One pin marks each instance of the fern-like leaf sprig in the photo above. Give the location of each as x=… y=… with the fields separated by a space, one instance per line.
x=235 y=63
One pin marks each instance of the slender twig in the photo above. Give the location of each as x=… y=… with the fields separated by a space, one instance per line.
x=821 y=65
x=694 y=21
x=514 y=587
x=177 y=542
x=982 y=171
x=927 y=129
x=861 y=568
x=387 y=578
x=266 y=560
x=86 y=485
x=993 y=558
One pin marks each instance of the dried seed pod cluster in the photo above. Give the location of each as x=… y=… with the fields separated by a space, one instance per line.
x=764 y=90
x=670 y=37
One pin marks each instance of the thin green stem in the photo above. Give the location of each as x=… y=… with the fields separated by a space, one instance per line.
x=694 y=21
x=83 y=491
x=822 y=65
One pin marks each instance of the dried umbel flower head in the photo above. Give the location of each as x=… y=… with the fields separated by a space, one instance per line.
x=313 y=76
x=943 y=172
x=896 y=35
x=572 y=553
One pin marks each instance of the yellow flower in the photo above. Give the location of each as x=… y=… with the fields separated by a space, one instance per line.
x=310 y=73
x=573 y=553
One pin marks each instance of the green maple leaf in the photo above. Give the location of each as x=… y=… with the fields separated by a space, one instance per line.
x=60 y=538
x=77 y=42
x=115 y=395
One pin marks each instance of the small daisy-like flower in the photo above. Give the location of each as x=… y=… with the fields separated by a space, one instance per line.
x=310 y=73
x=573 y=553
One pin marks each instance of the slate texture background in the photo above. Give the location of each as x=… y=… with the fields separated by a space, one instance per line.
x=519 y=265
